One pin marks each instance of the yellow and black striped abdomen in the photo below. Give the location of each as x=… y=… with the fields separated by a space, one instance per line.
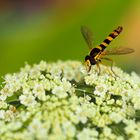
x=110 y=37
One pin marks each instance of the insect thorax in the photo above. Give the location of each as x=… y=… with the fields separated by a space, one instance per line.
x=94 y=52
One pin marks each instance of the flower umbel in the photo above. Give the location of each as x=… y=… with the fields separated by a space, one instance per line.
x=62 y=101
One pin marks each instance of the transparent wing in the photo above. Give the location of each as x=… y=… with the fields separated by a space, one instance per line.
x=88 y=36
x=119 y=51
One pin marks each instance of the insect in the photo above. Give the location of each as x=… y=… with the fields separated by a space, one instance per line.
x=97 y=54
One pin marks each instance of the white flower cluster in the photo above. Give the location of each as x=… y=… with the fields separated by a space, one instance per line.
x=61 y=100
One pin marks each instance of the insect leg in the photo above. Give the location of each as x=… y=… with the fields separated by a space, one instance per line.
x=98 y=67
x=106 y=66
x=89 y=68
x=112 y=62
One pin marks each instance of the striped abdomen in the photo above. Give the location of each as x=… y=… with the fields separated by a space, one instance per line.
x=110 y=37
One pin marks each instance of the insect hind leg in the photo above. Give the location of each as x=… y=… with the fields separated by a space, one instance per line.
x=112 y=63
x=98 y=67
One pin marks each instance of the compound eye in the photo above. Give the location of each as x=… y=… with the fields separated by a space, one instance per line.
x=86 y=58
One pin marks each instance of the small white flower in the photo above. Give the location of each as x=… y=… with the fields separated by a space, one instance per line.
x=107 y=131
x=87 y=134
x=35 y=73
x=59 y=91
x=3 y=97
x=100 y=90
x=39 y=92
x=3 y=104
x=2 y=114
x=27 y=100
x=69 y=129
x=26 y=90
x=81 y=114
x=131 y=127
x=42 y=66
x=116 y=117
x=46 y=84
x=136 y=100
x=13 y=126
x=9 y=115
x=55 y=71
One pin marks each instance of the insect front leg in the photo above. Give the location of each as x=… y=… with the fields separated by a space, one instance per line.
x=88 y=66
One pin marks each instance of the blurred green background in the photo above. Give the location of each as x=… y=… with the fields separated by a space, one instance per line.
x=34 y=30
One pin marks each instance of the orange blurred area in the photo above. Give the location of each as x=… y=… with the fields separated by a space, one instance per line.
x=132 y=33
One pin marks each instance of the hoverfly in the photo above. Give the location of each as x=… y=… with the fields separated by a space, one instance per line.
x=98 y=53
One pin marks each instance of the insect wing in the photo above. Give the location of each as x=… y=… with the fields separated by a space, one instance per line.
x=119 y=51
x=88 y=36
